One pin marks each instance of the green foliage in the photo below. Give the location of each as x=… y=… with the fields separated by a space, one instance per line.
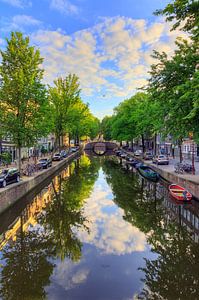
x=133 y=118
x=63 y=96
x=105 y=127
x=23 y=101
x=170 y=87
x=184 y=13
x=6 y=157
x=70 y=114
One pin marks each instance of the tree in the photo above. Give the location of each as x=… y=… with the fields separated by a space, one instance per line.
x=63 y=96
x=23 y=101
x=167 y=86
x=123 y=125
x=106 y=127
x=182 y=12
x=81 y=122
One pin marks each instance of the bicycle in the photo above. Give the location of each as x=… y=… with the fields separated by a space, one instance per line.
x=179 y=168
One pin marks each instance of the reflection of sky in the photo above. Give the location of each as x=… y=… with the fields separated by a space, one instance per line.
x=111 y=254
x=108 y=231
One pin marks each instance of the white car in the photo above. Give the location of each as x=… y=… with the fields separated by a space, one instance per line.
x=161 y=160
x=138 y=153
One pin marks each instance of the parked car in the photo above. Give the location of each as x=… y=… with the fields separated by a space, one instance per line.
x=138 y=153
x=57 y=157
x=8 y=176
x=63 y=153
x=45 y=162
x=123 y=155
x=148 y=156
x=74 y=149
x=161 y=160
x=118 y=152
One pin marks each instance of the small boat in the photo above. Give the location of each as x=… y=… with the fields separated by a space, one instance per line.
x=139 y=164
x=148 y=173
x=133 y=163
x=179 y=193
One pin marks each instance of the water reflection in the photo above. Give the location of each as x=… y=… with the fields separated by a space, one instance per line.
x=98 y=231
x=39 y=236
x=171 y=229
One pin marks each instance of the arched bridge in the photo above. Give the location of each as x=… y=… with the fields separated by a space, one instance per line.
x=100 y=147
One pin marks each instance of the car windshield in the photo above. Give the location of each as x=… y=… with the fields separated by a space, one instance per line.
x=162 y=156
x=57 y=154
x=3 y=172
x=43 y=159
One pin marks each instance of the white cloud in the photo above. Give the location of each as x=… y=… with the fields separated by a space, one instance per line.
x=18 y=3
x=64 y=6
x=24 y=20
x=112 y=58
x=18 y=23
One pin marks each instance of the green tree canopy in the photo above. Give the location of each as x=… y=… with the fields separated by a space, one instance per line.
x=23 y=101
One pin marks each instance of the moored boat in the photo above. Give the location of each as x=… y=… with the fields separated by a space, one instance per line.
x=148 y=173
x=133 y=162
x=179 y=193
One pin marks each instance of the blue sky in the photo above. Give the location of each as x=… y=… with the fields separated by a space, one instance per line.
x=107 y=43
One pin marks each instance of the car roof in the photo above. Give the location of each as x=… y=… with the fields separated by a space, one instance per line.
x=11 y=169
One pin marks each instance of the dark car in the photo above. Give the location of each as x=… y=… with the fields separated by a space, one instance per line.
x=74 y=149
x=8 y=176
x=57 y=157
x=45 y=162
x=148 y=156
x=63 y=154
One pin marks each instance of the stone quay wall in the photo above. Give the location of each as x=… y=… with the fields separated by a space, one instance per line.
x=13 y=193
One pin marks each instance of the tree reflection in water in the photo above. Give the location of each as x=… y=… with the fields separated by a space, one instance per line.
x=175 y=273
x=28 y=262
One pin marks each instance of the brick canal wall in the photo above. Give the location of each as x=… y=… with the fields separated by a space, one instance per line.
x=14 y=192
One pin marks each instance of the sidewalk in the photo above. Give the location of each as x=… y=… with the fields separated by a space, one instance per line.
x=171 y=170
x=31 y=161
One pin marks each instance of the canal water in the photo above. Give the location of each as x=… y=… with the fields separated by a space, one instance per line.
x=98 y=231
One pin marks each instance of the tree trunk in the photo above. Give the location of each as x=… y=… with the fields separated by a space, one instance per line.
x=180 y=151
x=19 y=159
x=59 y=142
x=78 y=139
x=69 y=140
x=132 y=146
x=0 y=146
x=120 y=144
x=155 y=144
x=143 y=146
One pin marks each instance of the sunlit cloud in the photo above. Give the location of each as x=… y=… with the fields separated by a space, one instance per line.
x=112 y=58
